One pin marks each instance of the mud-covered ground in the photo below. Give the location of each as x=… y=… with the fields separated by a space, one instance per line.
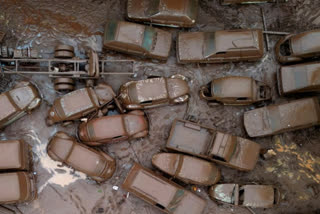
x=42 y=24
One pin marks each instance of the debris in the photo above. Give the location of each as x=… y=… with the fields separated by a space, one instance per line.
x=115 y=188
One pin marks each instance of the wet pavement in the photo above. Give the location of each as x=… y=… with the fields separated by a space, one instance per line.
x=42 y=24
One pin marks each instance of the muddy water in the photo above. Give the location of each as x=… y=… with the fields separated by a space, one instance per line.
x=42 y=24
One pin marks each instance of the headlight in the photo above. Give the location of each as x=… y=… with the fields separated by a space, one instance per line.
x=181 y=99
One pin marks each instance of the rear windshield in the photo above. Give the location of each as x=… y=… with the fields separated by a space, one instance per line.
x=110 y=31
x=148 y=37
x=209 y=44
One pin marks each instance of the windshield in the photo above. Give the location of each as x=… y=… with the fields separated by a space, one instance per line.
x=153 y=7
x=209 y=44
x=110 y=31
x=148 y=37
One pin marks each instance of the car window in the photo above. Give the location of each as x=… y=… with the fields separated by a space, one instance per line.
x=111 y=30
x=209 y=44
x=192 y=9
x=153 y=7
x=148 y=38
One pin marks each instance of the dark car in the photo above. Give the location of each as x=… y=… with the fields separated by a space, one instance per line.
x=210 y=144
x=162 y=193
x=114 y=128
x=80 y=103
x=235 y=90
x=299 y=78
x=177 y=13
x=154 y=92
x=276 y=119
x=257 y=196
x=17 y=102
x=220 y=46
x=96 y=164
x=298 y=47
x=137 y=39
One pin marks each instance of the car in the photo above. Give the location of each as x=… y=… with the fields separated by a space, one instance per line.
x=80 y=103
x=114 y=128
x=96 y=164
x=235 y=90
x=137 y=39
x=190 y=170
x=229 y=2
x=17 y=187
x=154 y=92
x=250 y=195
x=276 y=119
x=17 y=102
x=178 y=13
x=14 y=155
x=299 y=78
x=220 y=46
x=298 y=47
x=200 y=141
x=161 y=192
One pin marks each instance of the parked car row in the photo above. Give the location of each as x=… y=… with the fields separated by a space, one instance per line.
x=17 y=183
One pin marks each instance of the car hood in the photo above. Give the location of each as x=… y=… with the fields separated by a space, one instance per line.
x=246 y=154
x=258 y=196
x=137 y=8
x=177 y=88
x=304 y=43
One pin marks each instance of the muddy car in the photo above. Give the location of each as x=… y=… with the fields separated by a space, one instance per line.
x=257 y=196
x=80 y=103
x=14 y=155
x=5 y=210
x=298 y=47
x=207 y=143
x=229 y=2
x=276 y=119
x=17 y=102
x=161 y=192
x=220 y=46
x=186 y=168
x=137 y=39
x=154 y=92
x=96 y=164
x=17 y=187
x=234 y=90
x=299 y=78
x=178 y=13
x=114 y=128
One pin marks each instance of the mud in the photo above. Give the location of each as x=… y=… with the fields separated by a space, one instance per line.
x=42 y=24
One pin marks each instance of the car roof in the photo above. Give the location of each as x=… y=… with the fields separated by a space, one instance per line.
x=7 y=108
x=307 y=42
x=300 y=76
x=173 y=6
x=10 y=157
x=190 y=45
x=258 y=195
x=146 y=183
x=128 y=32
x=85 y=159
x=232 y=87
x=77 y=101
x=235 y=39
x=10 y=187
x=98 y=127
x=148 y=89
x=270 y=119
